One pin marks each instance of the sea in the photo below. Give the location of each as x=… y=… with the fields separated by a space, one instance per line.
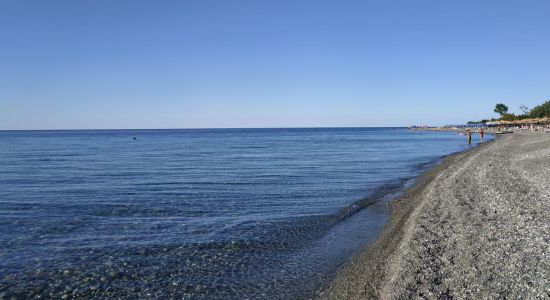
x=198 y=213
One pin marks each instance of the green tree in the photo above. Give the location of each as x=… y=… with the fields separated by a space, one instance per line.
x=508 y=117
x=524 y=109
x=501 y=109
x=541 y=111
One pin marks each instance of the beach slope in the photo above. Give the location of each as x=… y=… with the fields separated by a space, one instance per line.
x=476 y=226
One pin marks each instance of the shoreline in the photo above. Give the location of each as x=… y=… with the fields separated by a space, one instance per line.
x=430 y=247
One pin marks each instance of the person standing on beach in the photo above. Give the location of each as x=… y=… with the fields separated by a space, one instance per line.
x=469 y=135
x=481 y=133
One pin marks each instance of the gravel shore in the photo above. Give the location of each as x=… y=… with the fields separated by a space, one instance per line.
x=475 y=227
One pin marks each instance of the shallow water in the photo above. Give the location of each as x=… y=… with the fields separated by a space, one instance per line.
x=224 y=213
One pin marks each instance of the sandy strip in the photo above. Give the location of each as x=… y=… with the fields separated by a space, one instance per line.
x=475 y=227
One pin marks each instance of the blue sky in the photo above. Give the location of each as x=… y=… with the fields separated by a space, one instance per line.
x=184 y=64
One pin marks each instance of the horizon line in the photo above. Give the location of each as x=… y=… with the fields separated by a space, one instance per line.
x=205 y=128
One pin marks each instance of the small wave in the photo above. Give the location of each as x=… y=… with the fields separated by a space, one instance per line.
x=386 y=192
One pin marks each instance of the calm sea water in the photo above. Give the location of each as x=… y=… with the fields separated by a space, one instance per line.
x=234 y=213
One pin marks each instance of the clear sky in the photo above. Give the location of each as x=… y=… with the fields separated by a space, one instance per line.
x=230 y=63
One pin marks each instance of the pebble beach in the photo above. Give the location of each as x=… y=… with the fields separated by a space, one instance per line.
x=474 y=227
